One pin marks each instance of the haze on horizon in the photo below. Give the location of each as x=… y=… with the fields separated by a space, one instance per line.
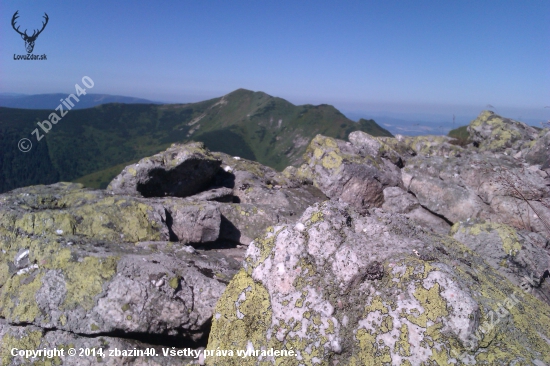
x=423 y=57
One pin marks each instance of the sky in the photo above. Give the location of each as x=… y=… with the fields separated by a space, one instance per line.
x=395 y=57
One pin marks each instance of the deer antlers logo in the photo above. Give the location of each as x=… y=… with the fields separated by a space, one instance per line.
x=29 y=40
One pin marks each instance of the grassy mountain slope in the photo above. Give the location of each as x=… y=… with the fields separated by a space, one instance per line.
x=92 y=145
x=461 y=135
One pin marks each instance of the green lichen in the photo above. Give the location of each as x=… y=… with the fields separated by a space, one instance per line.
x=376 y=305
x=84 y=214
x=29 y=341
x=434 y=306
x=174 y=282
x=403 y=347
x=265 y=244
x=4 y=273
x=332 y=160
x=231 y=332
x=132 y=171
x=316 y=217
x=507 y=234
x=366 y=355
x=85 y=280
x=17 y=298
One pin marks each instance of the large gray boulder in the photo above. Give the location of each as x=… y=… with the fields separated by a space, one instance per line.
x=87 y=262
x=431 y=145
x=539 y=152
x=262 y=197
x=342 y=288
x=97 y=287
x=356 y=174
x=63 y=209
x=489 y=186
x=179 y=171
x=491 y=132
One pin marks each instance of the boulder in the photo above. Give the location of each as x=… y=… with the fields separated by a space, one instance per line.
x=342 y=288
x=390 y=148
x=261 y=197
x=222 y=194
x=87 y=262
x=65 y=209
x=489 y=186
x=539 y=152
x=179 y=171
x=355 y=174
x=520 y=256
x=491 y=132
x=432 y=145
x=91 y=287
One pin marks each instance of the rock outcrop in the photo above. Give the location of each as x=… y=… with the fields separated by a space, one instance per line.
x=539 y=152
x=122 y=269
x=85 y=262
x=376 y=251
x=342 y=288
x=354 y=172
x=180 y=171
x=520 y=256
x=491 y=132
x=482 y=185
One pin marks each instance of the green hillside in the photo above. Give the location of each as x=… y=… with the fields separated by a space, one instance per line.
x=461 y=135
x=93 y=145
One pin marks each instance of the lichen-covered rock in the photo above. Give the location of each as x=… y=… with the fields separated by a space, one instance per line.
x=87 y=262
x=390 y=148
x=539 y=152
x=262 y=197
x=90 y=287
x=489 y=186
x=63 y=209
x=431 y=145
x=350 y=173
x=492 y=132
x=341 y=288
x=520 y=256
x=90 y=351
x=244 y=222
x=179 y=171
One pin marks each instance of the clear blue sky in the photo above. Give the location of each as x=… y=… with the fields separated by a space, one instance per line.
x=355 y=55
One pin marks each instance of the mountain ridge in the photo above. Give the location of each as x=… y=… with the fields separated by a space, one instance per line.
x=51 y=100
x=253 y=125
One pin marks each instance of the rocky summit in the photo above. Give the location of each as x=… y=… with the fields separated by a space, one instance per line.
x=397 y=250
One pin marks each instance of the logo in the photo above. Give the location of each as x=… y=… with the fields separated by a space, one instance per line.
x=29 y=40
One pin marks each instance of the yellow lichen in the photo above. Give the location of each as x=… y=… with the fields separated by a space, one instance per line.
x=233 y=327
x=30 y=341
x=402 y=346
x=332 y=160
x=17 y=298
x=174 y=282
